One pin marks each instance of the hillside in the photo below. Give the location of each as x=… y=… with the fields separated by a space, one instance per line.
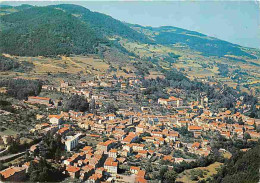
x=46 y=31
x=244 y=167
x=68 y=28
x=103 y=24
x=207 y=46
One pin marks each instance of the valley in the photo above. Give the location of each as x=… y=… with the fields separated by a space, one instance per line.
x=87 y=98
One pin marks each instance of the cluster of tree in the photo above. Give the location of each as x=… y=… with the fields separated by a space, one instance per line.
x=184 y=132
x=110 y=108
x=6 y=105
x=195 y=174
x=241 y=167
x=232 y=145
x=166 y=175
x=2 y=166
x=52 y=148
x=16 y=147
x=223 y=69
x=184 y=154
x=46 y=31
x=76 y=103
x=21 y=88
x=42 y=171
x=7 y=64
x=254 y=112
x=142 y=68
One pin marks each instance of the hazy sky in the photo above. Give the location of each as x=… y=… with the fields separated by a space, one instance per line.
x=234 y=21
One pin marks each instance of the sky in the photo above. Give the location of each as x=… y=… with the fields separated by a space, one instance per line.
x=234 y=21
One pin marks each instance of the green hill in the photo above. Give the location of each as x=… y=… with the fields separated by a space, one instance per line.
x=241 y=168
x=46 y=31
x=103 y=24
x=68 y=28
x=208 y=46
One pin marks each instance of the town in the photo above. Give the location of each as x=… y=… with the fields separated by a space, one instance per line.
x=166 y=92
x=111 y=138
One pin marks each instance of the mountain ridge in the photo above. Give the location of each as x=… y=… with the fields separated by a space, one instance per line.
x=107 y=27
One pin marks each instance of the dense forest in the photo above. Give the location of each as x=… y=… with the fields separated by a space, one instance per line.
x=104 y=24
x=67 y=28
x=46 y=31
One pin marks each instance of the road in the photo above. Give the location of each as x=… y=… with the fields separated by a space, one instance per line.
x=3 y=158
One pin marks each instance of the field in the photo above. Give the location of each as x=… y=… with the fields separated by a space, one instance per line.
x=56 y=69
x=195 y=65
x=206 y=172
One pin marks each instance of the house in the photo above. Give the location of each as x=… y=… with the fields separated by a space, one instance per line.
x=111 y=116
x=138 y=147
x=168 y=158
x=13 y=174
x=140 y=177
x=72 y=142
x=97 y=160
x=143 y=153
x=111 y=166
x=87 y=149
x=105 y=146
x=112 y=153
x=194 y=128
x=172 y=101
x=63 y=131
x=131 y=137
x=73 y=172
x=64 y=84
x=56 y=119
x=95 y=178
x=86 y=172
x=134 y=169
x=172 y=136
x=39 y=100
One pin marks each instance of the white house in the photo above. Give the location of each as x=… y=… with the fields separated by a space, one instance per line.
x=72 y=142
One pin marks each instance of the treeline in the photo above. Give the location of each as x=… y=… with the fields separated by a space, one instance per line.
x=21 y=88
x=46 y=31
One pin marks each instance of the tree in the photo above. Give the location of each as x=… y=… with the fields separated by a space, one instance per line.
x=42 y=171
x=247 y=136
x=163 y=170
x=77 y=103
x=170 y=176
x=110 y=108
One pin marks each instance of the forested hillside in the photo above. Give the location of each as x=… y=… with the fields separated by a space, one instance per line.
x=46 y=31
x=103 y=24
x=241 y=168
x=208 y=46
x=67 y=28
